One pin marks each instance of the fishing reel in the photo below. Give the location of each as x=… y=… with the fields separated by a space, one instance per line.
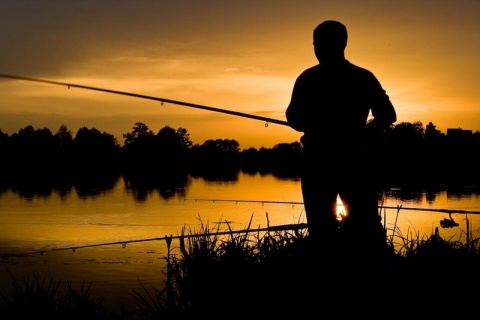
x=448 y=222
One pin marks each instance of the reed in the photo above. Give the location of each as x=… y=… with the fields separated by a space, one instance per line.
x=36 y=297
x=218 y=273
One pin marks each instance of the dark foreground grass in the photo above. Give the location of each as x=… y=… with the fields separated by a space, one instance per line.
x=277 y=274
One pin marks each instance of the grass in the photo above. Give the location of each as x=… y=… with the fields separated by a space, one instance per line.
x=36 y=297
x=218 y=274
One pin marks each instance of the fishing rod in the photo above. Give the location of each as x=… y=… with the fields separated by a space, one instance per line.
x=168 y=239
x=162 y=100
x=449 y=211
x=450 y=223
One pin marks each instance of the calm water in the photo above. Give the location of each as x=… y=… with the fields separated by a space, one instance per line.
x=115 y=219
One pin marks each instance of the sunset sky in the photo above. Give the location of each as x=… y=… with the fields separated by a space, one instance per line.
x=237 y=55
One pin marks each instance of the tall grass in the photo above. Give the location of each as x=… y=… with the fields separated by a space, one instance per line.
x=36 y=297
x=218 y=273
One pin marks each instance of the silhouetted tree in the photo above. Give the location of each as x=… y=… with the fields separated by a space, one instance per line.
x=432 y=135
x=184 y=138
x=405 y=153
x=141 y=134
x=92 y=139
x=476 y=138
x=63 y=155
x=283 y=159
x=4 y=144
x=63 y=137
x=250 y=160
x=172 y=147
x=407 y=134
x=155 y=162
x=221 y=155
x=462 y=155
x=33 y=150
x=138 y=153
x=147 y=153
x=433 y=155
x=95 y=152
x=409 y=154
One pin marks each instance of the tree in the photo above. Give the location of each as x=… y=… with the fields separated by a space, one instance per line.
x=4 y=139
x=407 y=133
x=63 y=137
x=221 y=146
x=184 y=137
x=283 y=159
x=140 y=134
x=171 y=147
x=432 y=135
x=30 y=142
x=219 y=154
x=170 y=138
x=95 y=152
x=94 y=139
x=404 y=153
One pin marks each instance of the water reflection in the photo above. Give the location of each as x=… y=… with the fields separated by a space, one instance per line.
x=416 y=195
x=175 y=184
x=215 y=175
x=168 y=186
x=91 y=186
x=133 y=208
x=85 y=186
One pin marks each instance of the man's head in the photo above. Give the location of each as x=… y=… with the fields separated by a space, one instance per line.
x=329 y=40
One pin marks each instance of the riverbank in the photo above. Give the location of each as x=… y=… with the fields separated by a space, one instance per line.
x=275 y=273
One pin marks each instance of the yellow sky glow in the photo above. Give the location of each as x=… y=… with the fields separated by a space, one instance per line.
x=242 y=56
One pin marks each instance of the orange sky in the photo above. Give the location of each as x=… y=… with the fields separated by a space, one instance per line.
x=237 y=55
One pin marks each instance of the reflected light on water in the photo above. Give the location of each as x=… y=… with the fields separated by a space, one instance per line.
x=341 y=213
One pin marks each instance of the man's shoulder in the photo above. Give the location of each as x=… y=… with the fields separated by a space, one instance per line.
x=310 y=71
x=346 y=66
x=356 y=68
x=312 y=74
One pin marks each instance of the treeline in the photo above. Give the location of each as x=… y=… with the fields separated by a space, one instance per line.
x=407 y=153
x=35 y=158
x=416 y=155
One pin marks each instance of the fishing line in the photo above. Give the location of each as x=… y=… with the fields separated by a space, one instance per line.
x=449 y=211
x=168 y=239
x=266 y=229
x=141 y=96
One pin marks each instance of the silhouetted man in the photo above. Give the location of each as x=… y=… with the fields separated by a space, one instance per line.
x=330 y=104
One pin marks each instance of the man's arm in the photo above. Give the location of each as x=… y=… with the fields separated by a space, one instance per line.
x=382 y=109
x=294 y=114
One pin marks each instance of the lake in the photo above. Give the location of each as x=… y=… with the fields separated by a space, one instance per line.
x=114 y=240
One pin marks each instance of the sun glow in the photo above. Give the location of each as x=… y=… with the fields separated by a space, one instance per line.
x=341 y=213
